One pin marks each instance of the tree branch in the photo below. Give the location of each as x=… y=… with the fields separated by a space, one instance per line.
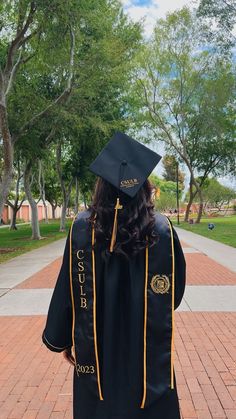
x=17 y=40
x=13 y=72
x=62 y=97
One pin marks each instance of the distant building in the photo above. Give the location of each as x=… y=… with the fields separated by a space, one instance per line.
x=24 y=212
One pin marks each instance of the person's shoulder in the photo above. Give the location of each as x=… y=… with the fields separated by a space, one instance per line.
x=162 y=223
x=82 y=217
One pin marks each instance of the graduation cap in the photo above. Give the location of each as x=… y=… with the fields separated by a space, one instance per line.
x=126 y=164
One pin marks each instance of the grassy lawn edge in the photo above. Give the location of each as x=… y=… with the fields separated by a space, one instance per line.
x=19 y=241
x=224 y=231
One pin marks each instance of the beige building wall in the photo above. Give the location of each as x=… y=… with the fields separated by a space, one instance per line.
x=24 y=212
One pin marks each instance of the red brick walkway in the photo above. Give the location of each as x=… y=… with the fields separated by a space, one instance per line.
x=46 y=278
x=36 y=383
x=201 y=270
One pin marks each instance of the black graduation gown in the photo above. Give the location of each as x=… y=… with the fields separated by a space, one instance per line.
x=120 y=308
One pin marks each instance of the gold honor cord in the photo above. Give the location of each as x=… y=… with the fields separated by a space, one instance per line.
x=145 y=332
x=94 y=314
x=72 y=298
x=172 y=305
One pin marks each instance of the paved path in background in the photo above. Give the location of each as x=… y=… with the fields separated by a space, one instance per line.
x=210 y=286
x=221 y=253
x=21 y=267
x=36 y=383
x=27 y=302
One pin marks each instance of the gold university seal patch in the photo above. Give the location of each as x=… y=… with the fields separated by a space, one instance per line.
x=160 y=284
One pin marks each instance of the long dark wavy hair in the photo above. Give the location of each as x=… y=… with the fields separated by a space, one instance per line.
x=136 y=220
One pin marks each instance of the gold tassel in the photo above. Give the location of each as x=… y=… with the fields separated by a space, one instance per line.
x=114 y=230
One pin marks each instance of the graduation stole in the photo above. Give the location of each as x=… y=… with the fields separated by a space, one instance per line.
x=158 y=333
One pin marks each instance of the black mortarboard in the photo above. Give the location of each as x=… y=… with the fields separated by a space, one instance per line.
x=126 y=164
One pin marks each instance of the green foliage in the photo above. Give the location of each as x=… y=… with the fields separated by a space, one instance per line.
x=220 y=16
x=170 y=170
x=105 y=42
x=215 y=194
x=164 y=185
x=166 y=202
x=17 y=242
x=184 y=95
x=167 y=198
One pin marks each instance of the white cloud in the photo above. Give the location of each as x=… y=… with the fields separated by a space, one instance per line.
x=152 y=10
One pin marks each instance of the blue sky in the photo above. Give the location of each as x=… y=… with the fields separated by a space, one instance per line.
x=151 y=10
x=141 y=2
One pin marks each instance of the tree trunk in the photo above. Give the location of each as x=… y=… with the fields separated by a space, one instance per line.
x=190 y=201
x=66 y=197
x=76 y=209
x=33 y=205
x=63 y=216
x=13 y=217
x=65 y=194
x=53 y=211
x=15 y=207
x=42 y=190
x=200 y=210
x=198 y=190
x=8 y=152
x=46 y=211
x=226 y=209
x=187 y=212
x=44 y=198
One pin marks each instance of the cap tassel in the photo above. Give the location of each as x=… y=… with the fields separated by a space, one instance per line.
x=114 y=230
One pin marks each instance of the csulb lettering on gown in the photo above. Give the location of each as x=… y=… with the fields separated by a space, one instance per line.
x=118 y=316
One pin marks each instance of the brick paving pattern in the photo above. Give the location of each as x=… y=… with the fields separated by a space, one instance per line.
x=36 y=383
x=201 y=270
x=46 y=278
x=205 y=364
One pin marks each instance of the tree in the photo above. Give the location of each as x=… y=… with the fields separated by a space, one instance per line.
x=28 y=26
x=165 y=202
x=216 y=195
x=170 y=166
x=184 y=96
x=52 y=186
x=11 y=60
x=53 y=92
x=167 y=193
x=164 y=185
x=221 y=19
x=18 y=197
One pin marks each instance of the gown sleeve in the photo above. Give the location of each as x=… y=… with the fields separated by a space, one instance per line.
x=180 y=270
x=57 y=335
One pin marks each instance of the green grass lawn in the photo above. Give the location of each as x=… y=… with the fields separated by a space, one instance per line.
x=224 y=231
x=14 y=243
